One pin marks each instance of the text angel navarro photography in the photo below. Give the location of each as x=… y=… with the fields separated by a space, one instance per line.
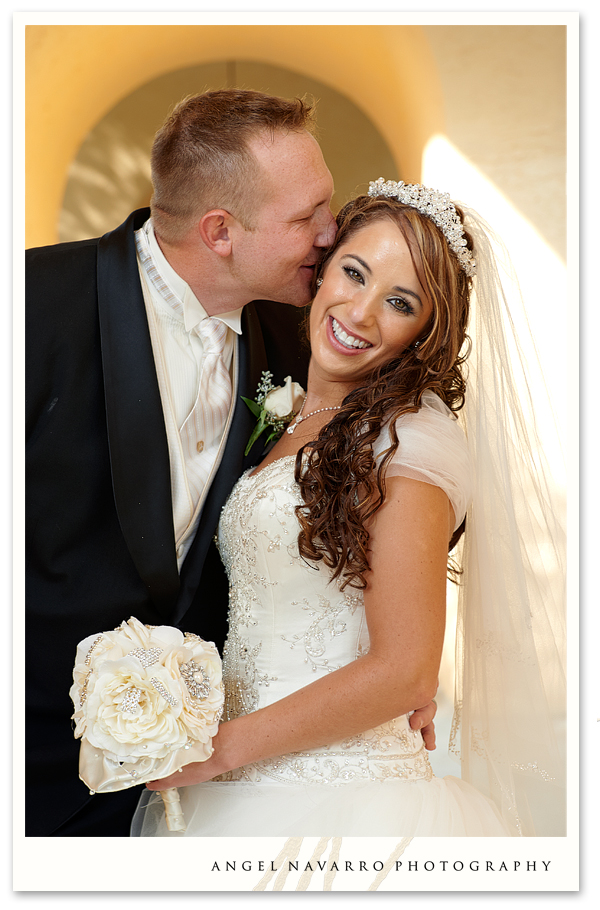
x=415 y=865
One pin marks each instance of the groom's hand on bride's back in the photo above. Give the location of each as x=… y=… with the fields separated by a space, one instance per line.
x=422 y=719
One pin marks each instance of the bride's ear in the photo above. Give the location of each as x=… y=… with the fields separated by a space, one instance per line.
x=216 y=229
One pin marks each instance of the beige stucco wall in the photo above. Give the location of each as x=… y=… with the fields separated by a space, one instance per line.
x=504 y=106
x=76 y=74
x=497 y=91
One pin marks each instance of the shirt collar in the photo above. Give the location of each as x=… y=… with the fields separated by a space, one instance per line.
x=193 y=311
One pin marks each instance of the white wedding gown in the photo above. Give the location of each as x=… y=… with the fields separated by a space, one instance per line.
x=289 y=626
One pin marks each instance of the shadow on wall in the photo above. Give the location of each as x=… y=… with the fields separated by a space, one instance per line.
x=110 y=177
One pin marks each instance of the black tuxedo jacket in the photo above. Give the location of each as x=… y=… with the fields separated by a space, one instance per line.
x=99 y=525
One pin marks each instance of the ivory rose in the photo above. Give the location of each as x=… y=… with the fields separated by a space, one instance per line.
x=284 y=400
x=198 y=664
x=151 y=727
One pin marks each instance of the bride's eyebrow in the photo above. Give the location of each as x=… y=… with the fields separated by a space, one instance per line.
x=368 y=269
x=358 y=259
x=408 y=291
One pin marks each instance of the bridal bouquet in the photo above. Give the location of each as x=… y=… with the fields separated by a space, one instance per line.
x=148 y=700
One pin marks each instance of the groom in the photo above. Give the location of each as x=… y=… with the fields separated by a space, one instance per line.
x=140 y=345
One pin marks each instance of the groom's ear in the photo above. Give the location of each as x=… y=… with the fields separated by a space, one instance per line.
x=216 y=228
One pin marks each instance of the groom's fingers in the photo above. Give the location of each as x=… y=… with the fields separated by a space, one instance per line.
x=428 y=734
x=422 y=719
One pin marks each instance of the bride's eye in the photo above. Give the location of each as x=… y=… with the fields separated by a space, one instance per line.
x=401 y=305
x=353 y=273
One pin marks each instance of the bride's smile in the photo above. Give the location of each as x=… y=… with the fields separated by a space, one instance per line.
x=370 y=305
x=351 y=342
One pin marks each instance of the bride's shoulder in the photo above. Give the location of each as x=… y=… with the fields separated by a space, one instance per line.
x=432 y=424
x=433 y=448
x=433 y=402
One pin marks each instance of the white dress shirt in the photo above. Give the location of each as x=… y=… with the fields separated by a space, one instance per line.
x=174 y=313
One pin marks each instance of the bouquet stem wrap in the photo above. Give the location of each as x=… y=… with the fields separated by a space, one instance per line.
x=174 y=815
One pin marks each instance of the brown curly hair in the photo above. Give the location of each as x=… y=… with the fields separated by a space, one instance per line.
x=341 y=485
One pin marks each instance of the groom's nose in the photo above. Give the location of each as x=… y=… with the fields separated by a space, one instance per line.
x=326 y=235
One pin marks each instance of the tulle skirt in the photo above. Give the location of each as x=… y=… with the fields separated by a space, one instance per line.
x=446 y=807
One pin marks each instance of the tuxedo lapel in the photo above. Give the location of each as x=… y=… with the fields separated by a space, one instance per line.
x=137 y=438
x=252 y=360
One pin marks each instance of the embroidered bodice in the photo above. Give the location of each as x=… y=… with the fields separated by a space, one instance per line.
x=288 y=625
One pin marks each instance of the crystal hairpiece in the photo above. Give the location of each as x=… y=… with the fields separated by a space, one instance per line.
x=438 y=207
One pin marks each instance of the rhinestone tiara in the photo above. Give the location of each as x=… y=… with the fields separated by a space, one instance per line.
x=438 y=207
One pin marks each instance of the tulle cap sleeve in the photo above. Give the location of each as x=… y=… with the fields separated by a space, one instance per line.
x=432 y=449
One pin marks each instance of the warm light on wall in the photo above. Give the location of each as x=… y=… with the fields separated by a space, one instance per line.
x=542 y=274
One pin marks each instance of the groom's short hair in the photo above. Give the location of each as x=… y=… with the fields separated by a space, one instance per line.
x=201 y=158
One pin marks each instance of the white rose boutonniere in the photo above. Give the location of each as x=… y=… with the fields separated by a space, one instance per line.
x=148 y=700
x=274 y=407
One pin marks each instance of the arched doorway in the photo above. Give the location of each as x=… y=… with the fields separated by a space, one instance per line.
x=77 y=74
x=110 y=175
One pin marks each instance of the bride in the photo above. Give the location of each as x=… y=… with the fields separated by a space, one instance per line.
x=336 y=547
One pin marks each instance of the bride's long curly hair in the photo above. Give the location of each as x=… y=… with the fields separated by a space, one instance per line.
x=341 y=484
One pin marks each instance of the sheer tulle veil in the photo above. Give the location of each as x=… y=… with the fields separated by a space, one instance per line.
x=509 y=716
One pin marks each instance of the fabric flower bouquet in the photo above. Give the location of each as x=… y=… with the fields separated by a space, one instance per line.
x=148 y=700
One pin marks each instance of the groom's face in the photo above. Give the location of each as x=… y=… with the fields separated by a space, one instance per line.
x=276 y=260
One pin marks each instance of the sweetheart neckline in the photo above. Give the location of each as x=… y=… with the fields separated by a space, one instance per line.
x=271 y=464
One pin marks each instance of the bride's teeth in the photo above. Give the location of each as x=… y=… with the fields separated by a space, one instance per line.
x=346 y=339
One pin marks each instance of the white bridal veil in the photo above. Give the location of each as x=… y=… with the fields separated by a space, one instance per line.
x=509 y=718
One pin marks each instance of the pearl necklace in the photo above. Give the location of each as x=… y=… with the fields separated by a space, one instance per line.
x=300 y=418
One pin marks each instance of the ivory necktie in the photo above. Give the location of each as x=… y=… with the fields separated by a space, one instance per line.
x=209 y=414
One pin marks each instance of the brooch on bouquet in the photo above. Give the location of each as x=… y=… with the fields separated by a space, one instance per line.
x=274 y=407
x=148 y=700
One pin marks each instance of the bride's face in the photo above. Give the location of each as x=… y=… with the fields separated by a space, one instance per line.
x=370 y=306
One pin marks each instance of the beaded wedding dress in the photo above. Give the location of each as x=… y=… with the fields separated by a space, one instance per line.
x=289 y=626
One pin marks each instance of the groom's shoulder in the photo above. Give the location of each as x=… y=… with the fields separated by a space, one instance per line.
x=57 y=255
x=284 y=335
x=82 y=253
x=282 y=315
